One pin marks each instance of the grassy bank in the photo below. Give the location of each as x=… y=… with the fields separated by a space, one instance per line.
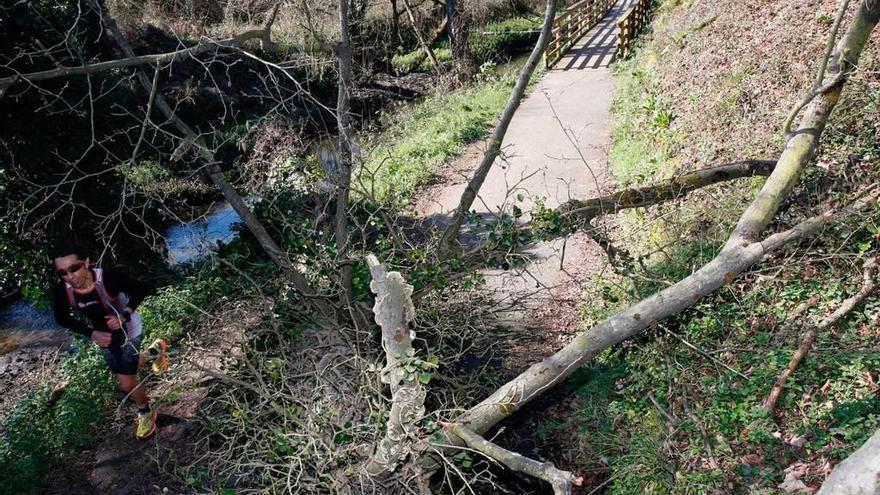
x=420 y=137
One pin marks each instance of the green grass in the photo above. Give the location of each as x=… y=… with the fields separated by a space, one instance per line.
x=424 y=135
x=406 y=62
x=828 y=399
x=644 y=139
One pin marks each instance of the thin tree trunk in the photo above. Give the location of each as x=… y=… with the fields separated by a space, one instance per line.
x=741 y=251
x=422 y=43
x=458 y=27
x=343 y=120
x=494 y=146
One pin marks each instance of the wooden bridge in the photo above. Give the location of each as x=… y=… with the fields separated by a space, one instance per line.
x=601 y=17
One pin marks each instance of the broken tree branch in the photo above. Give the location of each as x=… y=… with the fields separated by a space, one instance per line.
x=560 y=480
x=393 y=311
x=494 y=145
x=586 y=210
x=132 y=60
x=869 y=285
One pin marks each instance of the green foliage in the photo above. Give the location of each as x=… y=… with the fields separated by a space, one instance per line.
x=37 y=435
x=643 y=136
x=175 y=309
x=831 y=400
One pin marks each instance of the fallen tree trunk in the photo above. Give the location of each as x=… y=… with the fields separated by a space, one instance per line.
x=450 y=234
x=132 y=60
x=742 y=251
x=669 y=190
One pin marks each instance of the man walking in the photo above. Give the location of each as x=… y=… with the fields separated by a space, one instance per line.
x=107 y=302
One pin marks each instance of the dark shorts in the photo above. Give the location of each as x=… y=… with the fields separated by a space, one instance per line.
x=123 y=359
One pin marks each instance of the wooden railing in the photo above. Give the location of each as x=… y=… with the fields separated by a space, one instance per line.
x=572 y=24
x=629 y=26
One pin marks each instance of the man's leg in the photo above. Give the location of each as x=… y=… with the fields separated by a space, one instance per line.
x=128 y=384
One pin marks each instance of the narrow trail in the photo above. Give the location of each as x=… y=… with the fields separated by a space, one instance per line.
x=555 y=149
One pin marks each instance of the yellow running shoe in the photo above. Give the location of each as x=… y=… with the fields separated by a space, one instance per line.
x=146 y=424
x=157 y=355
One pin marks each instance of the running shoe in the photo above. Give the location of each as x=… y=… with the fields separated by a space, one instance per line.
x=157 y=355
x=146 y=424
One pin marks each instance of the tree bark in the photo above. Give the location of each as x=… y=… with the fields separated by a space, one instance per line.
x=393 y=311
x=740 y=252
x=858 y=474
x=561 y=481
x=343 y=119
x=450 y=234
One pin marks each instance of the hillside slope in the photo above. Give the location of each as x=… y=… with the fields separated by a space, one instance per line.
x=677 y=409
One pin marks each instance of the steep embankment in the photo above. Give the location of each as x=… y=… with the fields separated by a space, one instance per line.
x=678 y=409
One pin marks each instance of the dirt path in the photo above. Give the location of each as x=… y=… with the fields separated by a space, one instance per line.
x=555 y=149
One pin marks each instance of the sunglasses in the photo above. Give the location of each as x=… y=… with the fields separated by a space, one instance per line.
x=71 y=269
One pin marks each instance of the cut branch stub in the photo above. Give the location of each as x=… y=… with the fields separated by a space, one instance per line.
x=393 y=311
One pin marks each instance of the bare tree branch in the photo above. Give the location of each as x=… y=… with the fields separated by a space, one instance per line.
x=276 y=254
x=160 y=58
x=494 y=145
x=560 y=480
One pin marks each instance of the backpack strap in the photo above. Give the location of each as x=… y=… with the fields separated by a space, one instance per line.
x=112 y=305
x=71 y=299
